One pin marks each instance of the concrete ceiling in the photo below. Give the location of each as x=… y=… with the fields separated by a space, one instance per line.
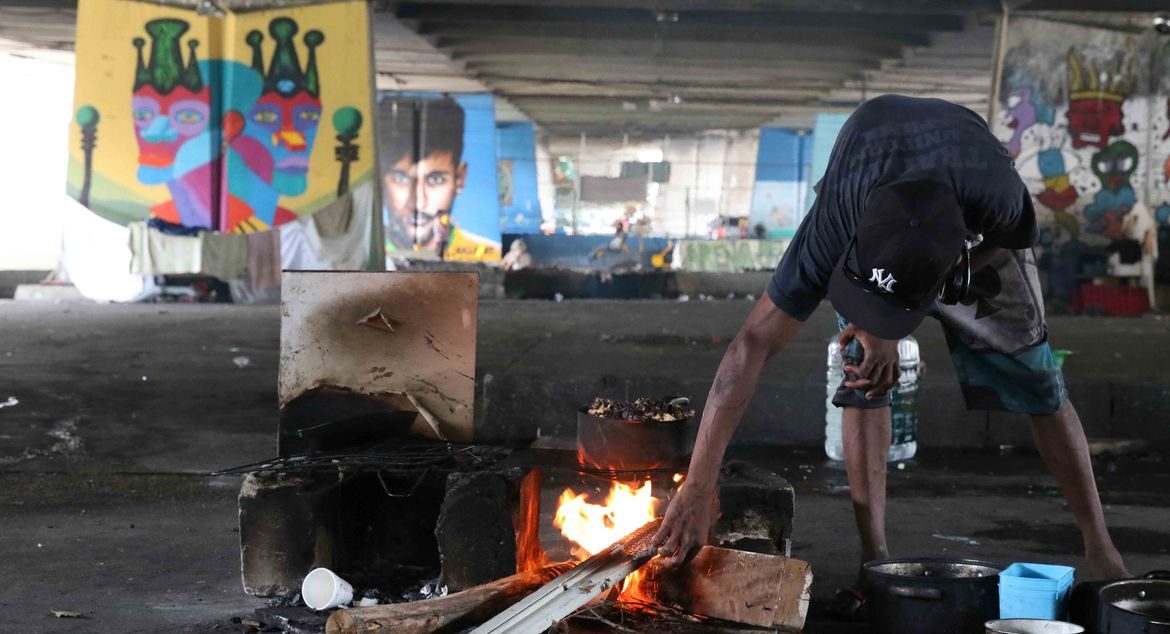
x=651 y=67
x=648 y=67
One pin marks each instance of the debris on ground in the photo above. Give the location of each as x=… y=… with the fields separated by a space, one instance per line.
x=68 y=614
x=241 y=362
x=641 y=410
x=957 y=538
x=11 y=402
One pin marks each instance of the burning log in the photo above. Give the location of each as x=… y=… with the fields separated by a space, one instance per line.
x=562 y=596
x=452 y=613
x=733 y=585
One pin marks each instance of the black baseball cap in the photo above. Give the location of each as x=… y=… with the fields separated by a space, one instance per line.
x=908 y=239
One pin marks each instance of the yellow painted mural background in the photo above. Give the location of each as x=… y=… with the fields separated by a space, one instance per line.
x=106 y=62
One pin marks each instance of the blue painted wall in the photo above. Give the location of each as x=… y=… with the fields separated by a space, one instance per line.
x=781 y=167
x=516 y=153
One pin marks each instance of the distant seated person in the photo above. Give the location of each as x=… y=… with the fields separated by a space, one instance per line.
x=517 y=257
x=621 y=230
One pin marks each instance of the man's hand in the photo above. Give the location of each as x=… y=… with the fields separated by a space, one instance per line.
x=879 y=370
x=686 y=525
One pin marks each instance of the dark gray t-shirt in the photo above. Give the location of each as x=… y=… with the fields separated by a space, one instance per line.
x=894 y=138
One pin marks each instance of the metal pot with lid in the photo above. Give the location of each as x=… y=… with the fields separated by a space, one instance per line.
x=931 y=595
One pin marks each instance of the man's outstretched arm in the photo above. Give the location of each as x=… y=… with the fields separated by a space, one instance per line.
x=688 y=519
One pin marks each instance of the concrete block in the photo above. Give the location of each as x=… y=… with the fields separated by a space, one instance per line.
x=280 y=536
x=487 y=527
x=756 y=508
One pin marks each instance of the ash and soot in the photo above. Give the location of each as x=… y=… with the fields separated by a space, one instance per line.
x=642 y=410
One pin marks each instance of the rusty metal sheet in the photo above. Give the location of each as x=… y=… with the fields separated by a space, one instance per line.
x=382 y=334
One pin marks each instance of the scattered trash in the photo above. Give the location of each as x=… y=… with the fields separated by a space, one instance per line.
x=233 y=349
x=11 y=402
x=40 y=545
x=558 y=297
x=241 y=362
x=751 y=298
x=431 y=592
x=68 y=614
x=957 y=538
x=684 y=298
x=144 y=377
x=901 y=466
x=366 y=602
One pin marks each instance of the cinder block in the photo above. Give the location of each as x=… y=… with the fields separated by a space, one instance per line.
x=488 y=526
x=756 y=508
x=280 y=540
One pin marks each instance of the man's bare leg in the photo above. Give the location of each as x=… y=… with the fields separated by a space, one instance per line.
x=866 y=436
x=1061 y=442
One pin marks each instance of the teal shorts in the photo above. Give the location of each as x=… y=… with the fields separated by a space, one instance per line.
x=998 y=342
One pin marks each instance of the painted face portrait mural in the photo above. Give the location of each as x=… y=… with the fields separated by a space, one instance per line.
x=439 y=176
x=223 y=137
x=1088 y=138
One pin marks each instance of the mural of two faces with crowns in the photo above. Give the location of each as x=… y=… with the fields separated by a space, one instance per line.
x=232 y=142
x=1092 y=139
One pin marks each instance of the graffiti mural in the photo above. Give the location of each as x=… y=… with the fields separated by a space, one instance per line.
x=1095 y=98
x=730 y=256
x=1085 y=116
x=213 y=124
x=439 y=176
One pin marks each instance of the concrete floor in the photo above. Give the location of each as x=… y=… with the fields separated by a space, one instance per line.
x=106 y=508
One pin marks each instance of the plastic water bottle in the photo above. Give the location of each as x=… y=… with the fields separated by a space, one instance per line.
x=903 y=404
x=834 y=448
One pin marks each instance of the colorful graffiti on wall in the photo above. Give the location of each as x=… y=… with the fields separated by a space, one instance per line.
x=1085 y=115
x=439 y=175
x=213 y=123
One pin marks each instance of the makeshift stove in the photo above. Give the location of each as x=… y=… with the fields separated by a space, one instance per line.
x=377 y=479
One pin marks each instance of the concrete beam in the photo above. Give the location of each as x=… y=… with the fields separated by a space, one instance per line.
x=870 y=22
x=667 y=77
x=646 y=38
x=536 y=46
x=898 y=7
x=634 y=90
x=655 y=32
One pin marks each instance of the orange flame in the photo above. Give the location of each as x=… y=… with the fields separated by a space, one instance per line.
x=594 y=527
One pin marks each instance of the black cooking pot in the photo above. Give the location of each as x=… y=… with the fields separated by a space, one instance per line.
x=908 y=596
x=1137 y=606
x=609 y=444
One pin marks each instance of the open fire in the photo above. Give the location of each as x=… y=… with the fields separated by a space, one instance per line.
x=594 y=527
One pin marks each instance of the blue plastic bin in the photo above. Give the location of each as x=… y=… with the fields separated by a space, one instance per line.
x=1034 y=591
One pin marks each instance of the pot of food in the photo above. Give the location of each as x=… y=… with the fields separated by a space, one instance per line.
x=1137 y=606
x=908 y=596
x=1031 y=626
x=637 y=435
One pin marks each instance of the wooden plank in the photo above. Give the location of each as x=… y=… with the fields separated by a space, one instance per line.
x=749 y=588
x=452 y=613
x=565 y=594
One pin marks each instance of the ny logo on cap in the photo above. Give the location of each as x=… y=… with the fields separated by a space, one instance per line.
x=885 y=283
